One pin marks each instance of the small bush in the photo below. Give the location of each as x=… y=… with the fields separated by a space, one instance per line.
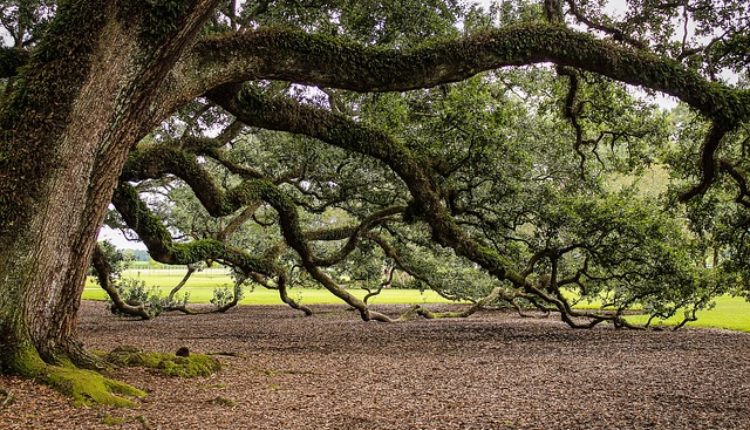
x=225 y=295
x=135 y=293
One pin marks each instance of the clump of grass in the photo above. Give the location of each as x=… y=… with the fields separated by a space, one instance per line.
x=109 y=420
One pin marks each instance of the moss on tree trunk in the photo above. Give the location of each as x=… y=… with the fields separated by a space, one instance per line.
x=76 y=110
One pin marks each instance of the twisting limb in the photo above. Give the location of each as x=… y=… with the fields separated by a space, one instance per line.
x=495 y=294
x=104 y=276
x=235 y=297
x=282 y=114
x=386 y=283
x=391 y=252
x=237 y=222
x=281 y=285
x=161 y=247
x=743 y=194
x=572 y=110
x=707 y=162
x=188 y=273
x=155 y=161
x=354 y=235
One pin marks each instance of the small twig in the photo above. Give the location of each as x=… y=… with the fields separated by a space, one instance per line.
x=8 y=394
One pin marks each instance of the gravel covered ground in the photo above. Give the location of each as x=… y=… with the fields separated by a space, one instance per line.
x=333 y=371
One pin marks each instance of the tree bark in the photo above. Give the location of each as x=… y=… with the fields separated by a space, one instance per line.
x=83 y=102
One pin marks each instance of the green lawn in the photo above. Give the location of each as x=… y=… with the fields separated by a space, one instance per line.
x=730 y=312
x=201 y=286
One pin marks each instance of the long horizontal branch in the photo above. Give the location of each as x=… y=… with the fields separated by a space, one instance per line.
x=295 y=56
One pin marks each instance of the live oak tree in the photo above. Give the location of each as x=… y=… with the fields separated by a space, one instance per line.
x=107 y=102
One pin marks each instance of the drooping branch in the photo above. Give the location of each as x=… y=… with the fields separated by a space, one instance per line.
x=287 y=115
x=156 y=160
x=104 y=276
x=708 y=163
x=161 y=247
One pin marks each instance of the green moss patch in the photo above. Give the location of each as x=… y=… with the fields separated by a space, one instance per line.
x=224 y=401
x=191 y=366
x=110 y=420
x=87 y=387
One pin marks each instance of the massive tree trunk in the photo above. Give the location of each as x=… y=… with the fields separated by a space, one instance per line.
x=78 y=108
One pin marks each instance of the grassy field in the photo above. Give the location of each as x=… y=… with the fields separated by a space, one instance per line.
x=730 y=312
x=201 y=286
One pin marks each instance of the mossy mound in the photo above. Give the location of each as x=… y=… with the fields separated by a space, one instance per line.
x=191 y=366
x=87 y=387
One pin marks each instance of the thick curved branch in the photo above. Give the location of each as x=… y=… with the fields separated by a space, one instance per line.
x=707 y=162
x=323 y=61
x=287 y=115
x=104 y=276
x=159 y=242
x=154 y=161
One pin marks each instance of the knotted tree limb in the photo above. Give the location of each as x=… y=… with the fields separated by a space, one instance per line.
x=352 y=235
x=159 y=242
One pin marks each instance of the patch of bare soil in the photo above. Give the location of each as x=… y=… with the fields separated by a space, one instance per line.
x=333 y=371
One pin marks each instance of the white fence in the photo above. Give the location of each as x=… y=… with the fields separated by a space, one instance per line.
x=179 y=271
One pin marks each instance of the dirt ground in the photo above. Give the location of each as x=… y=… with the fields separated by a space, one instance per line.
x=333 y=371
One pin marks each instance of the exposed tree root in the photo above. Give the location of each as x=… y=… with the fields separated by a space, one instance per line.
x=7 y=397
